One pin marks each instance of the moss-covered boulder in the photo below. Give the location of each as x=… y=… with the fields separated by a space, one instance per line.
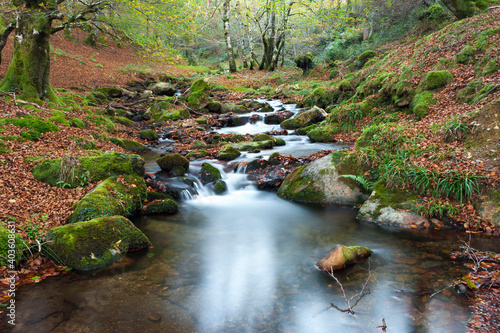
x=209 y=173
x=321 y=134
x=166 y=206
x=94 y=244
x=199 y=95
x=319 y=182
x=421 y=103
x=124 y=121
x=129 y=145
x=305 y=118
x=174 y=115
x=277 y=117
x=364 y=57
x=74 y=172
x=491 y=67
x=219 y=186
x=436 y=79
x=341 y=256
x=11 y=247
x=214 y=106
x=169 y=162
x=122 y=195
x=466 y=54
x=485 y=91
x=152 y=196
x=148 y=135
x=110 y=92
x=390 y=206
x=162 y=89
x=228 y=154
x=196 y=154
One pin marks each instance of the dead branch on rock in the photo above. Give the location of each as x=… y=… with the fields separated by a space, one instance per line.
x=356 y=297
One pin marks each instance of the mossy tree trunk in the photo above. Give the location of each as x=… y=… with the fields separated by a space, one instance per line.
x=29 y=66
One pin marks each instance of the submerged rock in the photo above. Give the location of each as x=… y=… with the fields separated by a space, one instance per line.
x=341 y=256
x=94 y=244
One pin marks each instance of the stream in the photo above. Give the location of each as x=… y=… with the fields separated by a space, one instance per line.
x=244 y=262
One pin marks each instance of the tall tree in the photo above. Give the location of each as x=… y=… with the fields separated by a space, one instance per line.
x=32 y=23
x=227 y=35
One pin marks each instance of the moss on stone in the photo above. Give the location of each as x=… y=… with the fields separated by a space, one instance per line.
x=363 y=58
x=148 y=135
x=262 y=137
x=209 y=173
x=390 y=197
x=124 y=121
x=199 y=95
x=88 y=168
x=466 y=95
x=129 y=145
x=114 y=196
x=175 y=115
x=16 y=246
x=436 y=79
x=466 y=54
x=166 y=206
x=228 y=154
x=94 y=244
x=151 y=196
x=491 y=67
x=298 y=188
x=168 y=162
x=421 y=103
x=197 y=154
x=274 y=159
x=84 y=143
x=110 y=92
x=220 y=187
x=321 y=134
x=484 y=92
x=59 y=118
x=77 y=123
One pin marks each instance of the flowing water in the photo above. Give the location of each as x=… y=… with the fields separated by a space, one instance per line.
x=244 y=262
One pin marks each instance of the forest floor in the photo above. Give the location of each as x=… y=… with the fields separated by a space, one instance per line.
x=37 y=207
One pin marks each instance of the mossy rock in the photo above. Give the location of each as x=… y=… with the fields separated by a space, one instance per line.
x=148 y=135
x=124 y=121
x=209 y=173
x=94 y=244
x=262 y=137
x=114 y=196
x=16 y=246
x=255 y=146
x=175 y=115
x=35 y=126
x=60 y=118
x=219 y=186
x=342 y=256
x=178 y=171
x=199 y=96
x=240 y=109
x=466 y=54
x=274 y=159
x=168 y=162
x=436 y=79
x=363 y=58
x=466 y=95
x=228 y=154
x=166 y=206
x=305 y=118
x=75 y=122
x=236 y=138
x=88 y=168
x=162 y=89
x=110 y=92
x=197 y=154
x=421 y=103
x=214 y=106
x=129 y=145
x=484 y=93
x=321 y=134
x=84 y=143
x=151 y=196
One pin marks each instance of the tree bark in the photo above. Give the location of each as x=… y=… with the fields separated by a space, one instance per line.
x=227 y=35
x=462 y=9
x=29 y=68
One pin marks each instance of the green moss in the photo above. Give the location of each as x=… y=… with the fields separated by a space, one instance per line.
x=3 y=149
x=436 y=79
x=274 y=159
x=298 y=188
x=17 y=247
x=175 y=115
x=220 y=187
x=168 y=162
x=197 y=154
x=89 y=168
x=421 y=103
x=124 y=121
x=60 y=118
x=77 y=123
x=236 y=138
x=167 y=206
x=364 y=57
x=354 y=253
x=35 y=126
x=321 y=134
x=466 y=54
x=228 y=154
x=151 y=196
x=148 y=135
x=199 y=95
x=84 y=143
x=484 y=92
x=466 y=95
x=110 y=92
x=262 y=137
x=491 y=67
x=209 y=173
x=291 y=124
x=129 y=145
x=94 y=244
x=390 y=197
x=103 y=122
x=111 y=197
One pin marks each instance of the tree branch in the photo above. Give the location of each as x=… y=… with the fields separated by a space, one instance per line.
x=80 y=17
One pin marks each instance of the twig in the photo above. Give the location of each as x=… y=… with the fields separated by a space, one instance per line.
x=383 y=326
x=493 y=7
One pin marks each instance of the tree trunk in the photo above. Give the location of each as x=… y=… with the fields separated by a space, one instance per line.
x=29 y=67
x=462 y=9
x=227 y=35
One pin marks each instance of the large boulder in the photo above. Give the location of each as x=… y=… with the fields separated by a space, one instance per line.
x=199 y=96
x=391 y=206
x=228 y=154
x=122 y=195
x=172 y=161
x=319 y=182
x=305 y=118
x=11 y=247
x=129 y=145
x=94 y=244
x=209 y=173
x=162 y=89
x=277 y=118
x=341 y=256
x=73 y=172
x=165 y=206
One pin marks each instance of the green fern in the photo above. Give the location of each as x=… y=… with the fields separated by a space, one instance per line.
x=367 y=185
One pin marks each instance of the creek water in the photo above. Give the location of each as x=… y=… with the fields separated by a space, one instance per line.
x=244 y=262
